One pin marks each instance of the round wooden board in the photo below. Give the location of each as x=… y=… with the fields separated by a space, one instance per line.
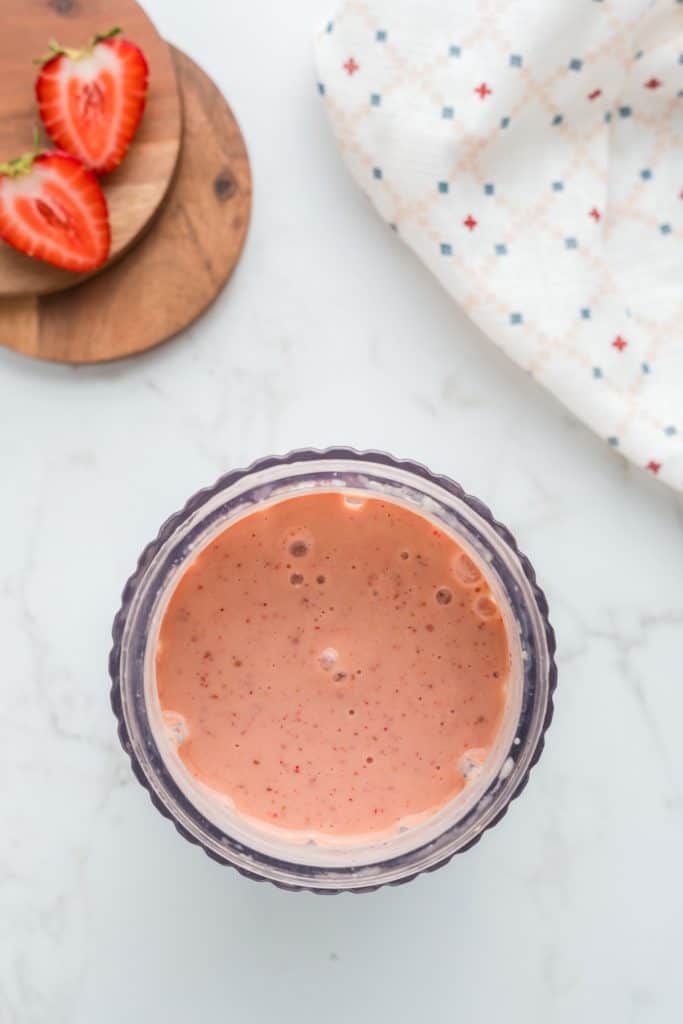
x=175 y=271
x=136 y=188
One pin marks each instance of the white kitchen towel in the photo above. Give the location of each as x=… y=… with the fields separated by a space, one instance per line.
x=531 y=153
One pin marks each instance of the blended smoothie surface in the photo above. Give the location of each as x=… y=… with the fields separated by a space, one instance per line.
x=334 y=665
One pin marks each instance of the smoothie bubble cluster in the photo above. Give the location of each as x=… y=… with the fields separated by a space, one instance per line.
x=334 y=665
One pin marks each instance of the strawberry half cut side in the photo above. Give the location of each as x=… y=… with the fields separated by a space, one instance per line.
x=52 y=208
x=91 y=100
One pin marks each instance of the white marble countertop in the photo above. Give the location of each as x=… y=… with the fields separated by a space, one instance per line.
x=330 y=332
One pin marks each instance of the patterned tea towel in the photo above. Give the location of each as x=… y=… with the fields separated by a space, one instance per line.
x=531 y=154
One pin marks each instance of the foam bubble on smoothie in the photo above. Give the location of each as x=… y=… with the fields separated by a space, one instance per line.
x=485 y=606
x=175 y=727
x=353 y=502
x=471 y=763
x=328 y=658
x=466 y=571
x=298 y=543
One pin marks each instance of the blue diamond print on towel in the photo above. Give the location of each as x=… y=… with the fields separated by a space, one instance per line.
x=454 y=51
x=607 y=116
x=515 y=60
x=501 y=249
x=613 y=441
x=381 y=35
x=585 y=313
x=646 y=174
x=446 y=249
x=516 y=318
x=625 y=111
x=670 y=430
x=597 y=372
x=377 y=173
x=447 y=113
x=558 y=186
x=558 y=119
x=504 y=122
x=489 y=189
x=646 y=368
x=443 y=186
x=329 y=27
x=575 y=64
x=665 y=229
x=321 y=88
x=375 y=99
x=571 y=243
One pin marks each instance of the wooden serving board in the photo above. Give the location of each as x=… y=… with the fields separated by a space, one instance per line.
x=175 y=271
x=136 y=188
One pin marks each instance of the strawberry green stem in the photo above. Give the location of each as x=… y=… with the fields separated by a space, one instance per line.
x=56 y=50
x=15 y=168
x=22 y=164
x=109 y=34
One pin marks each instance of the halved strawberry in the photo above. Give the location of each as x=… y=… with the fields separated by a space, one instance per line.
x=91 y=100
x=52 y=207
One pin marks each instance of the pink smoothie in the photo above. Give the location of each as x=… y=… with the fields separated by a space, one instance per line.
x=337 y=665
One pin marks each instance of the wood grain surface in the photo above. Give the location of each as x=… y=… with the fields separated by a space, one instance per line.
x=136 y=188
x=179 y=266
